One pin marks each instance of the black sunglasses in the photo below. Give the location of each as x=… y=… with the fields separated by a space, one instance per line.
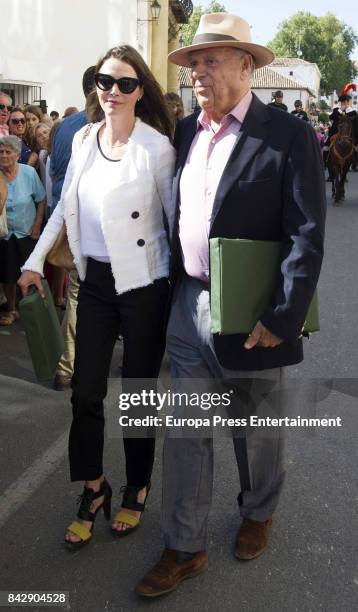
x=3 y=106
x=17 y=121
x=125 y=85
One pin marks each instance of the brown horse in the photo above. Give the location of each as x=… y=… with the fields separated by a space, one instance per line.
x=340 y=157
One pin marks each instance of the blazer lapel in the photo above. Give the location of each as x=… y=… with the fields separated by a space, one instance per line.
x=252 y=134
x=182 y=149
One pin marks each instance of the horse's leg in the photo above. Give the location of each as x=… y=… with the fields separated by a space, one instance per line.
x=344 y=174
x=332 y=174
x=337 y=184
x=342 y=190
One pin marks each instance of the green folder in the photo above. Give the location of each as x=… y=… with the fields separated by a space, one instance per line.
x=43 y=332
x=243 y=280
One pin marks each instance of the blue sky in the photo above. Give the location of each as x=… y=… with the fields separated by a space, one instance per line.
x=264 y=17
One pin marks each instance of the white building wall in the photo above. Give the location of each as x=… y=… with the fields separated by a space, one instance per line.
x=308 y=74
x=53 y=42
x=289 y=97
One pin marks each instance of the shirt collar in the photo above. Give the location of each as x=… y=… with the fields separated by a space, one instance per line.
x=238 y=113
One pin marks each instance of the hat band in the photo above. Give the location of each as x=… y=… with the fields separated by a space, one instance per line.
x=205 y=38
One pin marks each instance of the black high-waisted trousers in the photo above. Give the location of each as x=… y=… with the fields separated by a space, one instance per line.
x=140 y=315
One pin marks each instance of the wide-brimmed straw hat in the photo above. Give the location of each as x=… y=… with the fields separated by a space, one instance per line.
x=223 y=30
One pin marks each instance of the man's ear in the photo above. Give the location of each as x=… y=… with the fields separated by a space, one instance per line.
x=246 y=66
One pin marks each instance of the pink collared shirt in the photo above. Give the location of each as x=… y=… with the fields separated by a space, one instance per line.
x=4 y=129
x=204 y=166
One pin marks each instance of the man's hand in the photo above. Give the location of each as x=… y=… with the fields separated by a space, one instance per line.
x=28 y=278
x=35 y=231
x=261 y=337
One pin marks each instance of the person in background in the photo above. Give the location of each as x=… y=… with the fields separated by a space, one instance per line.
x=60 y=156
x=5 y=109
x=116 y=202
x=62 y=142
x=321 y=136
x=299 y=112
x=25 y=208
x=33 y=116
x=17 y=127
x=70 y=110
x=42 y=140
x=45 y=116
x=54 y=115
x=343 y=110
x=176 y=106
x=3 y=197
x=56 y=277
x=277 y=101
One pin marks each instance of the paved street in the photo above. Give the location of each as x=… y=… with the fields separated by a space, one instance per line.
x=312 y=563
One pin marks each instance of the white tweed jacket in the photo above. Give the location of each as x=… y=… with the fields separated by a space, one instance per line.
x=137 y=243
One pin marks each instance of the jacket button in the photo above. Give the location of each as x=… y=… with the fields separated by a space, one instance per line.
x=141 y=242
x=135 y=214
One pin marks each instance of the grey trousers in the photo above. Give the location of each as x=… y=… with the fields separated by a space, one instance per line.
x=188 y=460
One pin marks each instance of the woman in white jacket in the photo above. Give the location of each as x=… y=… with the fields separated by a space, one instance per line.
x=116 y=203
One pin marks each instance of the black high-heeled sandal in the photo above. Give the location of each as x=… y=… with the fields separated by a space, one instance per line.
x=85 y=500
x=130 y=493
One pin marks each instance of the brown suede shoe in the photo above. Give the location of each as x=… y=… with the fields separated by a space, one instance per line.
x=253 y=538
x=166 y=575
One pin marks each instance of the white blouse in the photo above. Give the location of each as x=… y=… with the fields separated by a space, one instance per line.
x=99 y=182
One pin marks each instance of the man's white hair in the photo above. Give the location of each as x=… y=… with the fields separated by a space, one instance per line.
x=241 y=53
x=5 y=95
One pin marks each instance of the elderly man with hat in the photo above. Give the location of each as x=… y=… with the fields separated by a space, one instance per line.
x=243 y=171
x=277 y=101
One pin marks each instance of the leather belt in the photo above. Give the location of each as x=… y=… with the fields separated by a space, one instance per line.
x=205 y=284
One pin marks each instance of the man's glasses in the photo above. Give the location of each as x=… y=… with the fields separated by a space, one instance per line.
x=17 y=121
x=125 y=85
x=8 y=108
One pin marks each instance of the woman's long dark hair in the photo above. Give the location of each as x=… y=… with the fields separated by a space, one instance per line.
x=151 y=108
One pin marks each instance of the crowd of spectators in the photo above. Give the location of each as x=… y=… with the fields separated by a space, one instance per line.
x=26 y=137
x=34 y=130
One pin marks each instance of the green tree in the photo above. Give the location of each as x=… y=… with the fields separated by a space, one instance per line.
x=188 y=30
x=323 y=118
x=324 y=106
x=324 y=40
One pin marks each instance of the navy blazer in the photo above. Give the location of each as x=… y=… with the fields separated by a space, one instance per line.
x=272 y=188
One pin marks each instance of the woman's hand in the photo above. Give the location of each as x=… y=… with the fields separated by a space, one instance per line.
x=28 y=278
x=35 y=231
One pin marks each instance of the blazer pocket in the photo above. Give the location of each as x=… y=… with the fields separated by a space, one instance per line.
x=264 y=181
